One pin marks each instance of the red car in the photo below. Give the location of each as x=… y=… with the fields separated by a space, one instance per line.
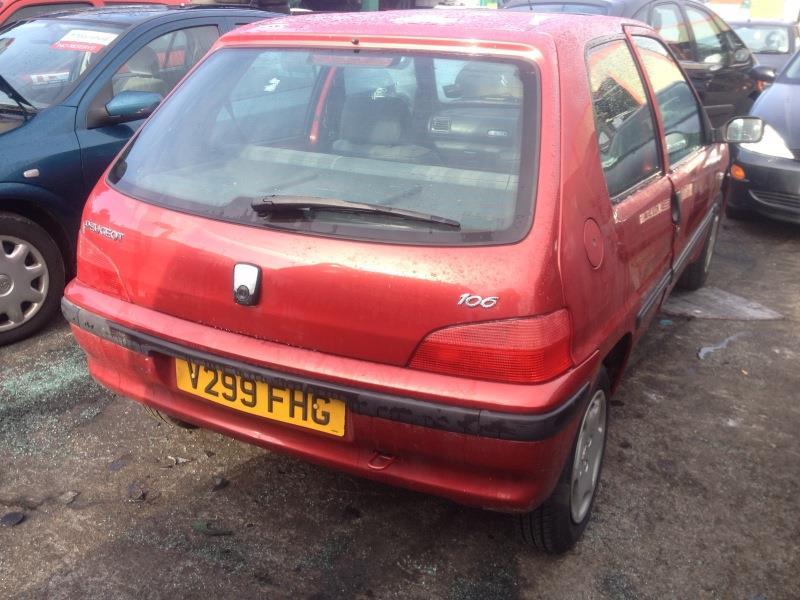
x=417 y=246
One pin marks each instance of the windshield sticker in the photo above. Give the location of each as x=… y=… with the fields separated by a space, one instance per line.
x=49 y=78
x=85 y=40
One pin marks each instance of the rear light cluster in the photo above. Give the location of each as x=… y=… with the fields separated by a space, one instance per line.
x=523 y=350
x=96 y=270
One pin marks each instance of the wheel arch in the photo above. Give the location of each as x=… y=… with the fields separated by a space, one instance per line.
x=36 y=211
x=616 y=359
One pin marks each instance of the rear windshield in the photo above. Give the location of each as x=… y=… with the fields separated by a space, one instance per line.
x=43 y=60
x=380 y=146
x=765 y=39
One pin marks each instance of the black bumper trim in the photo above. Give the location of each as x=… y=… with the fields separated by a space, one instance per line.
x=470 y=421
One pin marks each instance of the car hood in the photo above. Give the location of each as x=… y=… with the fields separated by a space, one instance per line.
x=775 y=61
x=778 y=106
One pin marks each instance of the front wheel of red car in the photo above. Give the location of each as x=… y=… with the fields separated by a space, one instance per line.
x=559 y=522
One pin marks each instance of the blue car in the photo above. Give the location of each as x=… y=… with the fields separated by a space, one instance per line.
x=74 y=87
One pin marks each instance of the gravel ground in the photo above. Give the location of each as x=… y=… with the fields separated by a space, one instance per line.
x=698 y=497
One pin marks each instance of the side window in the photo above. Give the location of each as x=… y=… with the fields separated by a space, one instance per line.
x=708 y=38
x=160 y=65
x=675 y=102
x=37 y=10
x=623 y=120
x=668 y=21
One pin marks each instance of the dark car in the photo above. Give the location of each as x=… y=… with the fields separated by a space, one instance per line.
x=718 y=63
x=73 y=88
x=772 y=42
x=765 y=176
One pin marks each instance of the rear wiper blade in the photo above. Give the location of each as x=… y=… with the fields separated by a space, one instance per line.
x=279 y=203
x=12 y=93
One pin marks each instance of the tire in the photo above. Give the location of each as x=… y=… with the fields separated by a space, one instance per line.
x=695 y=275
x=558 y=523
x=162 y=417
x=31 y=277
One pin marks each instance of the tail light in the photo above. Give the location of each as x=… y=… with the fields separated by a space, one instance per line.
x=97 y=270
x=524 y=350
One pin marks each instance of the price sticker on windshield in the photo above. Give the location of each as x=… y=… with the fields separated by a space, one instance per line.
x=85 y=40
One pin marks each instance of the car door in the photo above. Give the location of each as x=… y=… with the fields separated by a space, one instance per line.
x=694 y=166
x=719 y=71
x=155 y=62
x=638 y=187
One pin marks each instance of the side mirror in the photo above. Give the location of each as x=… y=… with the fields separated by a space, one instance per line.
x=743 y=130
x=132 y=105
x=763 y=73
x=676 y=142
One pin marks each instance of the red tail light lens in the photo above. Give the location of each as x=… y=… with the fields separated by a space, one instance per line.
x=525 y=350
x=96 y=270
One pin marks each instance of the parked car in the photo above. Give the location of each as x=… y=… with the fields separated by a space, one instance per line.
x=12 y=11
x=718 y=63
x=772 y=42
x=402 y=245
x=765 y=175
x=73 y=88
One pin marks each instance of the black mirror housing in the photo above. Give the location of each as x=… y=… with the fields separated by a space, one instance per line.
x=763 y=73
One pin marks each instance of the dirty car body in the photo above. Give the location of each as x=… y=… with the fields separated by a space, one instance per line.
x=416 y=247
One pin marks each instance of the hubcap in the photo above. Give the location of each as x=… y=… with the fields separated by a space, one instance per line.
x=588 y=455
x=24 y=282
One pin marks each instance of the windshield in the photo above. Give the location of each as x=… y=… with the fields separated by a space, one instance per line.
x=764 y=39
x=435 y=136
x=43 y=60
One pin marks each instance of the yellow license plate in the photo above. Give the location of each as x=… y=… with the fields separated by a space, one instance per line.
x=257 y=397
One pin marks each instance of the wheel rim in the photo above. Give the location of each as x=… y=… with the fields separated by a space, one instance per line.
x=24 y=282
x=588 y=456
x=712 y=240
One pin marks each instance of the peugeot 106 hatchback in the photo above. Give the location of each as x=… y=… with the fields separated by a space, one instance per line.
x=417 y=247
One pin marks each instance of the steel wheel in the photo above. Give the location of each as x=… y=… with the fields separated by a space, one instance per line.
x=24 y=282
x=588 y=456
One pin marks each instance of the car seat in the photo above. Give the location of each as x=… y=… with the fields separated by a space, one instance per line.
x=142 y=75
x=378 y=128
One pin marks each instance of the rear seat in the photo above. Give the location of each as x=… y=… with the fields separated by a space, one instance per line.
x=378 y=128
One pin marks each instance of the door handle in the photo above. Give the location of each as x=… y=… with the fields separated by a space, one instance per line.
x=675 y=202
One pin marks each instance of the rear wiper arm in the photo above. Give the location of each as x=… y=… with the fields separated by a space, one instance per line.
x=279 y=203
x=12 y=93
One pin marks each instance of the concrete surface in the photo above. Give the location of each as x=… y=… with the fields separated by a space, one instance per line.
x=699 y=496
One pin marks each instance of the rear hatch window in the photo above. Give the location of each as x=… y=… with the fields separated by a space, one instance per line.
x=384 y=146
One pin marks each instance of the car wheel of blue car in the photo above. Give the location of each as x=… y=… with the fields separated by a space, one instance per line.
x=31 y=277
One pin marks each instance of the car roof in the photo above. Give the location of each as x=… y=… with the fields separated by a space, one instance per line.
x=456 y=25
x=129 y=16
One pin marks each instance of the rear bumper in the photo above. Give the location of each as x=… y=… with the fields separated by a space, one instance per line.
x=473 y=455
x=771 y=187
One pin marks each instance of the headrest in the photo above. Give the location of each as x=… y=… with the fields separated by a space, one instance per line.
x=484 y=80
x=144 y=61
x=375 y=121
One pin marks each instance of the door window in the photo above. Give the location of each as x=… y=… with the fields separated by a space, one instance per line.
x=623 y=120
x=160 y=65
x=668 y=21
x=675 y=101
x=708 y=38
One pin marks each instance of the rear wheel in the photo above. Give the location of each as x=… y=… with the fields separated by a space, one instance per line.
x=162 y=417
x=559 y=522
x=31 y=277
x=695 y=275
